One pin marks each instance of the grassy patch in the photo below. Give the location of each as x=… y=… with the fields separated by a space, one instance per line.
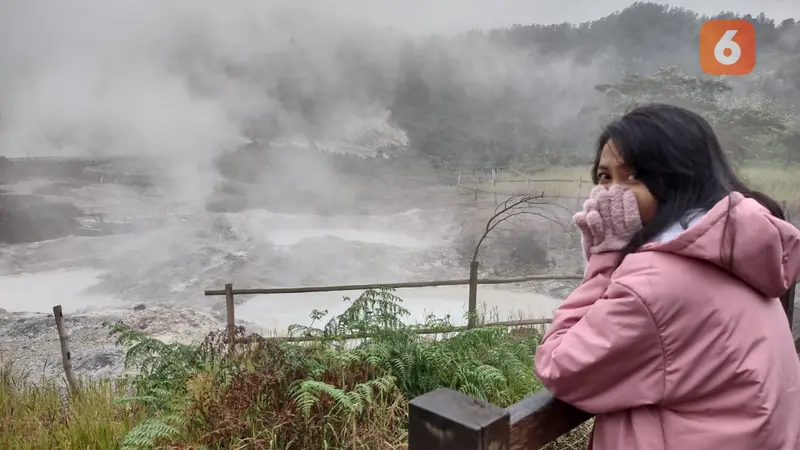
x=270 y=394
x=35 y=414
x=780 y=181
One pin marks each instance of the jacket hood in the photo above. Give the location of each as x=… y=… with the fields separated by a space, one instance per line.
x=760 y=249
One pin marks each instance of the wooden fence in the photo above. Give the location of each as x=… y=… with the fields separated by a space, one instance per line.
x=229 y=292
x=472 y=184
x=98 y=217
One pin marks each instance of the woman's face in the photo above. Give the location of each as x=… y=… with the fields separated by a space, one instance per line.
x=612 y=170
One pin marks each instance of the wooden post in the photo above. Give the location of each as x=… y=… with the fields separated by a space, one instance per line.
x=477 y=184
x=472 y=306
x=789 y=297
x=528 y=188
x=231 y=317
x=494 y=184
x=788 y=301
x=66 y=355
x=578 y=197
x=445 y=419
x=458 y=183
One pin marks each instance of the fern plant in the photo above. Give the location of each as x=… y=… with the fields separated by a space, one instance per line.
x=158 y=371
x=151 y=433
x=307 y=393
x=487 y=363
x=374 y=311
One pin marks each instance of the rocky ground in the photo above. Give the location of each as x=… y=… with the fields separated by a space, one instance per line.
x=30 y=341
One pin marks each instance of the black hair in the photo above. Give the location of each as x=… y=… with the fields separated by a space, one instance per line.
x=677 y=156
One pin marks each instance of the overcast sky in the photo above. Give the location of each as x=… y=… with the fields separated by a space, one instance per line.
x=447 y=16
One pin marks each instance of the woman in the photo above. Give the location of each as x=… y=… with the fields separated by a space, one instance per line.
x=676 y=338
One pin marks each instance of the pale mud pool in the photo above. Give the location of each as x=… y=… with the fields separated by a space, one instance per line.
x=274 y=313
x=39 y=292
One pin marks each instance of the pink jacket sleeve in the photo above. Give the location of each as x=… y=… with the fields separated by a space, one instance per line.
x=603 y=352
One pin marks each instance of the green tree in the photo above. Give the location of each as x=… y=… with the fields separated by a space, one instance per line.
x=750 y=126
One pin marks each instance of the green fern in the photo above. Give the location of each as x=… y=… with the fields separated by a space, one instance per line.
x=307 y=393
x=150 y=433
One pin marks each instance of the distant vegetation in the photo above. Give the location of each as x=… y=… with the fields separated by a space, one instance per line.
x=534 y=95
x=271 y=394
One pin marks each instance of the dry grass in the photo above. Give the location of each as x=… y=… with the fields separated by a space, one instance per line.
x=780 y=181
x=36 y=414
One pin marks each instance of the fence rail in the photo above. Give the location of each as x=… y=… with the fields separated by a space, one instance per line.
x=404 y=285
x=445 y=419
x=421 y=331
x=75 y=159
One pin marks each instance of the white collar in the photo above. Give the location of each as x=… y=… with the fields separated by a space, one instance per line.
x=672 y=231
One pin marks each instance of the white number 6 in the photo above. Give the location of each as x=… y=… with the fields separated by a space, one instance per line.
x=727 y=43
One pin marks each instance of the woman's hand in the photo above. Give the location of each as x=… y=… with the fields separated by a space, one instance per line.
x=609 y=219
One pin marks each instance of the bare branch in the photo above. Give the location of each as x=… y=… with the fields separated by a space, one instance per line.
x=514 y=208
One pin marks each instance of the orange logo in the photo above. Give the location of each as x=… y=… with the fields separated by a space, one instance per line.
x=727 y=47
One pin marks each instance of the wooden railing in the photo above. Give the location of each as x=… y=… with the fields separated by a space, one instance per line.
x=445 y=419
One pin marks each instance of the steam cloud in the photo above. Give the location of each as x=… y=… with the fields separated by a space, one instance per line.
x=177 y=80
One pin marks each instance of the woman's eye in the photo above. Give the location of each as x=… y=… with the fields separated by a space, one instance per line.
x=602 y=176
x=632 y=177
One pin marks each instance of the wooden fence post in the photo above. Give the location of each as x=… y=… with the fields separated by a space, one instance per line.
x=445 y=419
x=788 y=298
x=494 y=184
x=458 y=183
x=66 y=355
x=580 y=194
x=477 y=185
x=785 y=211
x=231 y=317
x=528 y=188
x=472 y=306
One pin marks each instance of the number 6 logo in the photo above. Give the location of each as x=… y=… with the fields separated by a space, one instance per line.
x=727 y=43
x=727 y=47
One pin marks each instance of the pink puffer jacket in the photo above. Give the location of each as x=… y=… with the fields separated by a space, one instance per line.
x=674 y=350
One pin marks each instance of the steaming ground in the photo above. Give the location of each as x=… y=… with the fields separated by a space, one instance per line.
x=154 y=278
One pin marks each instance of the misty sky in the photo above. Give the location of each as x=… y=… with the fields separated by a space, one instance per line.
x=447 y=16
